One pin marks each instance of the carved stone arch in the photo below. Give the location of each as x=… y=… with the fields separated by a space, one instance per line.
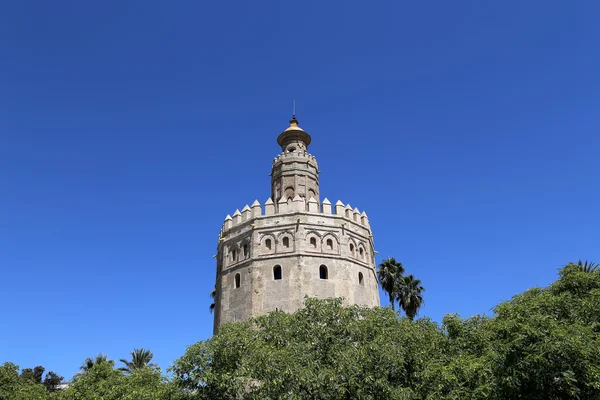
x=313 y=240
x=314 y=232
x=267 y=243
x=234 y=253
x=361 y=251
x=352 y=246
x=330 y=243
x=245 y=246
x=285 y=241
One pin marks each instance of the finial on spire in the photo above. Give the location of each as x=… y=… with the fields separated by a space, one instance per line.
x=294 y=109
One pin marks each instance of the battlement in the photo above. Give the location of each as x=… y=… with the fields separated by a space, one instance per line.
x=290 y=156
x=295 y=205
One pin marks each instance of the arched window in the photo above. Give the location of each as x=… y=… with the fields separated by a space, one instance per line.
x=246 y=250
x=352 y=248
x=233 y=256
x=329 y=244
x=268 y=243
x=238 y=279
x=277 y=272
x=286 y=242
x=323 y=272
x=361 y=278
x=361 y=252
x=313 y=242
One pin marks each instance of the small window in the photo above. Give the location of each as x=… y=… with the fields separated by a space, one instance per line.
x=233 y=256
x=277 y=272
x=361 y=279
x=323 y=272
x=286 y=242
x=237 y=280
x=268 y=243
x=361 y=252
x=246 y=251
x=313 y=242
x=352 y=248
x=329 y=244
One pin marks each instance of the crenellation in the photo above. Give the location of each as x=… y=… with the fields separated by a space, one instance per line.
x=237 y=217
x=348 y=211
x=246 y=213
x=298 y=204
x=256 y=209
x=269 y=207
x=326 y=206
x=339 y=208
x=313 y=205
x=228 y=222
x=282 y=206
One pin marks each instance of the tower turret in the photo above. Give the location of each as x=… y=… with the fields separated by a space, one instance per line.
x=295 y=172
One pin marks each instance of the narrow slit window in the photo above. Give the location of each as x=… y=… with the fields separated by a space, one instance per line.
x=268 y=244
x=233 y=256
x=277 y=272
x=313 y=242
x=329 y=244
x=323 y=272
x=352 y=248
x=361 y=279
x=361 y=252
x=246 y=251
x=286 y=242
x=238 y=279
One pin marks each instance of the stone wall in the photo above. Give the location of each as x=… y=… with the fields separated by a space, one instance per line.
x=299 y=237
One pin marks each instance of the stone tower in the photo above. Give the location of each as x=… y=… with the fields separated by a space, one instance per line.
x=270 y=259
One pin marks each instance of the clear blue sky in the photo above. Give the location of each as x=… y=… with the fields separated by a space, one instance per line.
x=469 y=131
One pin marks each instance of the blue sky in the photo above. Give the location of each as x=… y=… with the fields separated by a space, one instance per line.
x=467 y=130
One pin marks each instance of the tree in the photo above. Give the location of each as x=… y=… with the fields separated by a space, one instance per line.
x=102 y=382
x=140 y=358
x=388 y=274
x=51 y=381
x=543 y=344
x=323 y=351
x=100 y=359
x=35 y=375
x=16 y=387
x=409 y=295
x=587 y=266
x=213 y=294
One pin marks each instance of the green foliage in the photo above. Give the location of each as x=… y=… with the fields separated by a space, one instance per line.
x=542 y=344
x=409 y=294
x=406 y=290
x=323 y=351
x=16 y=387
x=51 y=381
x=100 y=359
x=140 y=358
x=103 y=382
x=388 y=274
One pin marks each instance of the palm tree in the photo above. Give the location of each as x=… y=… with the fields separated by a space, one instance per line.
x=89 y=362
x=213 y=294
x=388 y=274
x=587 y=266
x=409 y=295
x=140 y=358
